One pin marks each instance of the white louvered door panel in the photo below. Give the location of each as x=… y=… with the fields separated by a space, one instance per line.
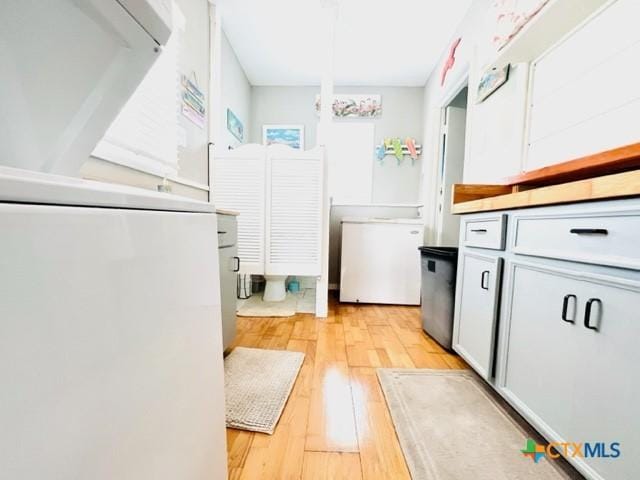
x=239 y=184
x=294 y=211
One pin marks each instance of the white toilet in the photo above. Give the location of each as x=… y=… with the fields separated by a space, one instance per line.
x=275 y=289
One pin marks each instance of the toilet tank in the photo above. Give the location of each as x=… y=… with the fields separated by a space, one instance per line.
x=67 y=67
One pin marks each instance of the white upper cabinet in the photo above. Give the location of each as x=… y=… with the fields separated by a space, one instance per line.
x=584 y=95
x=66 y=76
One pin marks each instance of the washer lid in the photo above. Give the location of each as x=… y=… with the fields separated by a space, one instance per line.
x=67 y=67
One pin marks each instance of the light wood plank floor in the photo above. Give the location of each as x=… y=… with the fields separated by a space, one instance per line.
x=336 y=424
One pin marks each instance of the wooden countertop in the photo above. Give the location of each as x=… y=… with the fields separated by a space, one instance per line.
x=486 y=198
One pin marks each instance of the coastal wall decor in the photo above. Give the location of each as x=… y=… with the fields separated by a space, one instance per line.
x=491 y=81
x=290 y=135
x=354 y=105
x=234 y=125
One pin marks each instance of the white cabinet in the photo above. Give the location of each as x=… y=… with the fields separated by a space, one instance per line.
x=571 y=360
x=477 y=307
x=229 y=268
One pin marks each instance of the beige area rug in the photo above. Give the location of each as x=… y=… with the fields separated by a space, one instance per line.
x=257 y=384
x=254 y=306
x=451 y=428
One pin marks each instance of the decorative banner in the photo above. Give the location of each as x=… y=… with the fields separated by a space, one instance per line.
x=351 y=105
x=193 y=102
x=510 y=16
x=491 y=81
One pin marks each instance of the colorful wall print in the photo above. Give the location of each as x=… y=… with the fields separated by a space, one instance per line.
x=234 y=125
x=511 y=16
x=351 y=105
x=290 y=135
x=193 y=102
x=491 y=81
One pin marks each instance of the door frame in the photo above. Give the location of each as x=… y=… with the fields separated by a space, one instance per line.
x=445 y=100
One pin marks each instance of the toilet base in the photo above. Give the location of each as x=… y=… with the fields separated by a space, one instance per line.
x=275 y=289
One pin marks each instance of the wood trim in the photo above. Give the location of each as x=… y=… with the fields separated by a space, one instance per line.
x=468 y=192
x=619 y=185
x=603 y=163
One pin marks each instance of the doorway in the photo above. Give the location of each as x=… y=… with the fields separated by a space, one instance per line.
x=450 y=166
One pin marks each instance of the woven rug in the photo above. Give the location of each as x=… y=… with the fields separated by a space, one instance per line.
x=451 y=427
x=257 y=385
x=255 y=306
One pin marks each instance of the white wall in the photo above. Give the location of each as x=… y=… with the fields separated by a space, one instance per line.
x=401 y=117
x=235 y=94
x=194 y=59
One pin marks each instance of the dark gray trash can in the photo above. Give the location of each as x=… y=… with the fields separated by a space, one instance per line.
x=438 y=292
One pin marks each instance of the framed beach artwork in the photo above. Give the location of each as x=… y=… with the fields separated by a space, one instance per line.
x=290 y=135
x=352 y=105
x=234 y=125
x=491 y=81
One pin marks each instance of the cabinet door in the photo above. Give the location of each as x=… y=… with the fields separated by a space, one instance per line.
x=608 y=382
x=229 y=264
x=477 y=310
x=540 y=357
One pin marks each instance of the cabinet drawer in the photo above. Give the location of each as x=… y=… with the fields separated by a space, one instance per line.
x=485 y=232
x=227 y=230
x=609 y=239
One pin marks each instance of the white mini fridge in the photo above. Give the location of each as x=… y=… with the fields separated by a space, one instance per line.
x=380 y=260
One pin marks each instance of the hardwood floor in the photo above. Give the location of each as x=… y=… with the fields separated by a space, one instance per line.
x=336 y=424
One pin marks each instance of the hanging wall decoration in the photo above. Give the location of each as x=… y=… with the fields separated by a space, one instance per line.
x=290 y=135
x=351 y=105
x=398 y=148
x=491 y=81
x=234 y=125
x=511 y=16
x=450 y=61
x=192 y=102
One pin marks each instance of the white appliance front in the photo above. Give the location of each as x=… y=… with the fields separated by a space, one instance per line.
x=110 y=345
x=380 y=261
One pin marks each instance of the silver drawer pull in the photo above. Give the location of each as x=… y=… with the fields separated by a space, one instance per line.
x=479 y=230
x=589 y=231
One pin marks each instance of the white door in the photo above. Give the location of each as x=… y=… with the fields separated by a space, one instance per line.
x=450 y=168
x=294 y=211
x=477 y=308
x=239 y=185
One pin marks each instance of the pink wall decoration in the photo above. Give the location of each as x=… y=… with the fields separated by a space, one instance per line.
x=451 y=59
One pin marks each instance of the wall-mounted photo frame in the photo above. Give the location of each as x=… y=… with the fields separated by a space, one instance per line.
x=234 y=125
x=353 y=105
x=290 y=135
x=491 y=81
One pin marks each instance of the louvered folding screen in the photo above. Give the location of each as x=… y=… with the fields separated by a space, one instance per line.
x=239 y=184
x=294 y=211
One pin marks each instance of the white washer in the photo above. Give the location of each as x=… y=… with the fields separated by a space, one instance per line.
x=380 y=260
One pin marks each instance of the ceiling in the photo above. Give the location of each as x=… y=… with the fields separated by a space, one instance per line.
x=378 y=42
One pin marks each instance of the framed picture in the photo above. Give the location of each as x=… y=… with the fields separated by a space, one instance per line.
x=352 y=105
x=491 y=81
x=290 y=135
x=234 y=125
